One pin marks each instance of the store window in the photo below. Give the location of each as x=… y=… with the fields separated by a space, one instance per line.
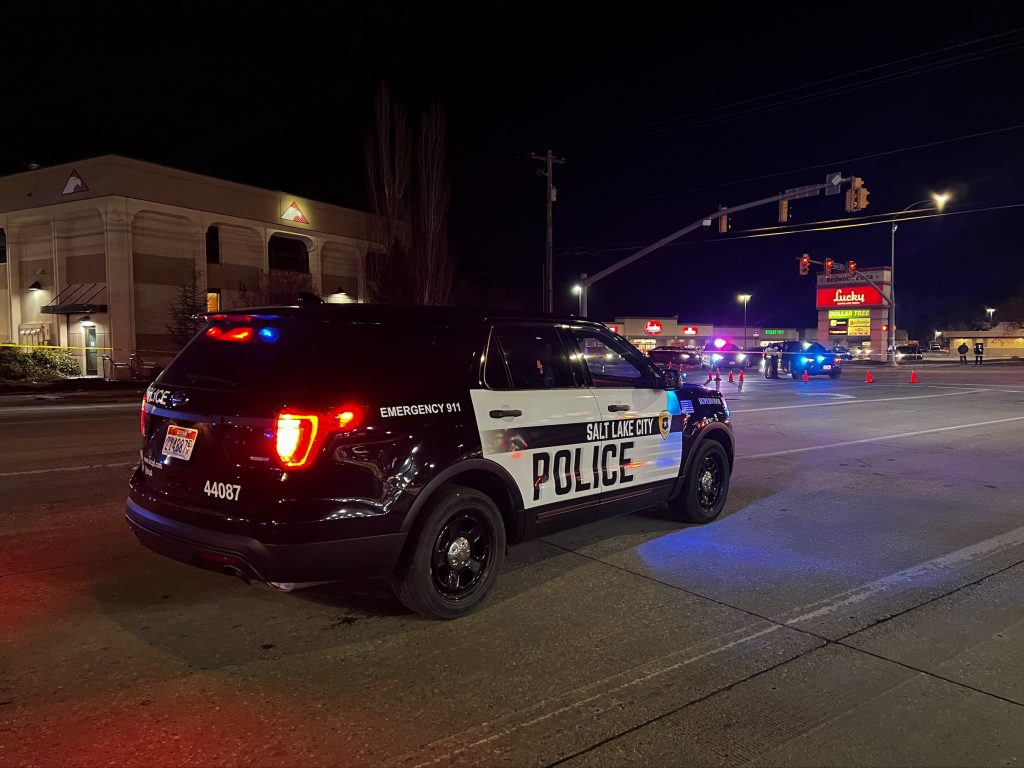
x=213 y=245
x=213 y=300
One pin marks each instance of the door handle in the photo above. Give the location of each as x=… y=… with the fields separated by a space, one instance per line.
x=503 y=414
x=618 y=407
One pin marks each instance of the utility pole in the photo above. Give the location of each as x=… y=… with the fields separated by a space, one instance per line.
x=549 y=162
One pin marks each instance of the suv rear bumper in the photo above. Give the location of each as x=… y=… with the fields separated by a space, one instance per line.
x=293 y=562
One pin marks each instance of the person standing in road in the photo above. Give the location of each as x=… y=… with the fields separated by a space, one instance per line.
x=979 y=352
x=963 y=349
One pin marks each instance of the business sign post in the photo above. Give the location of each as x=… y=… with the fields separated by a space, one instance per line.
x=855 y=308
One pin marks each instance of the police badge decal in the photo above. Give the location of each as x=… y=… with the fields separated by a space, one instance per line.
x=664 y=424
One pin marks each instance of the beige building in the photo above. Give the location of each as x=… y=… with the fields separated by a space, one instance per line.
x=93 y=253
x=1001 y=341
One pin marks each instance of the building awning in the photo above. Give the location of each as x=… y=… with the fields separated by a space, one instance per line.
x=78 y=299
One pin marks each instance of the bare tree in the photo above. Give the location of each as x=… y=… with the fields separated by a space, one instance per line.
x=278 y=286
x=433 y=271
x=183 y=312
x=388 y=166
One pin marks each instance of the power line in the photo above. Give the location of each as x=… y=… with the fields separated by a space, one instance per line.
x=795 y=89
x=817 y=166
x=826 y=225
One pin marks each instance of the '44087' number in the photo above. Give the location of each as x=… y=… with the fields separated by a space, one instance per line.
x=223 y=490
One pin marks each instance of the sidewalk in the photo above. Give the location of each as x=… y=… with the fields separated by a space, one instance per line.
x=69 y=391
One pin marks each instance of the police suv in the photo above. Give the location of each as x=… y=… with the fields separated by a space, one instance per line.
x=302 y=444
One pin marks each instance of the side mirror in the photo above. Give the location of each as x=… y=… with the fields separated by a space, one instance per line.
x=670 y=379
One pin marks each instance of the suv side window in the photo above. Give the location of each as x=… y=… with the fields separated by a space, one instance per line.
x=534 y=356
x=612 y=363
x=495 y=372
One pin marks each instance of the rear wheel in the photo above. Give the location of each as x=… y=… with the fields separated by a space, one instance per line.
x=706 y=486
x=834 y=374
x=458 y=549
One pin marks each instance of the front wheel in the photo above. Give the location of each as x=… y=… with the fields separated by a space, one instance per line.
x=706 y=486
x=455 y=556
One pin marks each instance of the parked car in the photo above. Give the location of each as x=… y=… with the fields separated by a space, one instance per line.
x=280 y=445
x=798 y=357
x=908 y=352
x=675 y=358
x=719 y=353
x=840 y=351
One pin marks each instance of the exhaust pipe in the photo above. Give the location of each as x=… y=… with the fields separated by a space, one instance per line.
x=231 y=570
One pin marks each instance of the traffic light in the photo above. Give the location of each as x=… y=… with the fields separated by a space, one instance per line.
x=783 y=211
x=805 y=264
x=856 y=196
x=723 y=221
x=851 y=267
x=828 y=266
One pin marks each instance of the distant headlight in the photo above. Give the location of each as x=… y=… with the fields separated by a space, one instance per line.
x=716 y=357
x=741 y=357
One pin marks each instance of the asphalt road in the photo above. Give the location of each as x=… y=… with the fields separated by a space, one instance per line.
x=860 y=602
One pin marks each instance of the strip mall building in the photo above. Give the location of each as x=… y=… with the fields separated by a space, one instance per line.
x=93 y=254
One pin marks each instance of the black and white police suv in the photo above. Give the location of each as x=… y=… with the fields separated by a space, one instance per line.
x=302 y=444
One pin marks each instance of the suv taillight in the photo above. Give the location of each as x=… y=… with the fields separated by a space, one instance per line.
x=142 y=417
x=298 y=435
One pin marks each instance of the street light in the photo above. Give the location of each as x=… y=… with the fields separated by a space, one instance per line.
x=745 y=298
x=578 y=291
x=939 y=200
x=991 y=311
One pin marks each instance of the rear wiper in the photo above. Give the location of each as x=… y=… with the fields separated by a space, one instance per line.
x=201 y=378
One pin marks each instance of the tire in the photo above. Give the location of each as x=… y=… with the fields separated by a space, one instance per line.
x=796 y=374
x=702 y=498
x=426 y=581
x=834 y=374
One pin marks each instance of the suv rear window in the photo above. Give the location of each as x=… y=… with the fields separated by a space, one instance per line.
x=305 y=355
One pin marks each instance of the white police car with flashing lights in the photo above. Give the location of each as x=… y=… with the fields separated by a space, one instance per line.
x=290 y=444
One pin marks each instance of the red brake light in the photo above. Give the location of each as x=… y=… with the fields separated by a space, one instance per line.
x=214 y=332
x=297 y=436
x=142 y=417
x=238 y=334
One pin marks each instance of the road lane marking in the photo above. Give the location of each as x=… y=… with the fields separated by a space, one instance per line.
x=19 y=410
x=67 y=469
x=914 y=577
x=855 y=401
x=879 y=439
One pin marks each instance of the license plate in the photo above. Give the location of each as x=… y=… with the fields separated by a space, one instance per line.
x=826 y=367
x=179 y=442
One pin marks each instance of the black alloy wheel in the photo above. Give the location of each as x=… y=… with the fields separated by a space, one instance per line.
x=461 y=555
x=706 y=487
x=453 y=554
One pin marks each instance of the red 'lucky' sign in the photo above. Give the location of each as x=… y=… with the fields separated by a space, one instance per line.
x=652 y=328
x=849 y=296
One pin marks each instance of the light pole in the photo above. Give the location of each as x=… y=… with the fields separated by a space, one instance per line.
x=939 y=201
x=991 y=311
x=745 y=298
x=578 y=291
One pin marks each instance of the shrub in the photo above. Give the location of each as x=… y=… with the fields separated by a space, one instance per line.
x=48 y=364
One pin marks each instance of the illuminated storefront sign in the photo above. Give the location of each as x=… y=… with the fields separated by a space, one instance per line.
x=859 y=326
x=837 y=314
x=837 y=327
x=612 y=328
x=294 y=214
x=774 y=332
x=652 y=328
x=849 y=296
x=689 y=330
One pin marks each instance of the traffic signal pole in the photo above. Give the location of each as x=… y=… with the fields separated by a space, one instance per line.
x=831 y=185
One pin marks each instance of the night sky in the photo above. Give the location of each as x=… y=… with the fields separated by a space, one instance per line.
x=660 y=116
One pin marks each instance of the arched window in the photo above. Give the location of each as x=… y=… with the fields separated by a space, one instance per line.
x=288 y=254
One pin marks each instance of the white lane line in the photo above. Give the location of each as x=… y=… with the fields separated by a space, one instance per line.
x=879 y=439
x=856 y=402
x=914 y=577
x=19 y=410
x=67 y=469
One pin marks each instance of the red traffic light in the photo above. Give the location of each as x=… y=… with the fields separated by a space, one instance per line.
x=828 y=266
x=805 y=264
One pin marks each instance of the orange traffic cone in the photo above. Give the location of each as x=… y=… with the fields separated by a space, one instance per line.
x=868 y=379
x=731 y=380
x=913 y=377
x=741 y=377
x=806 y=377
x=709 y=375
x=718 y=374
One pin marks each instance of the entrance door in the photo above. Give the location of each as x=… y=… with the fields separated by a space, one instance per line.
x=90 y=351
